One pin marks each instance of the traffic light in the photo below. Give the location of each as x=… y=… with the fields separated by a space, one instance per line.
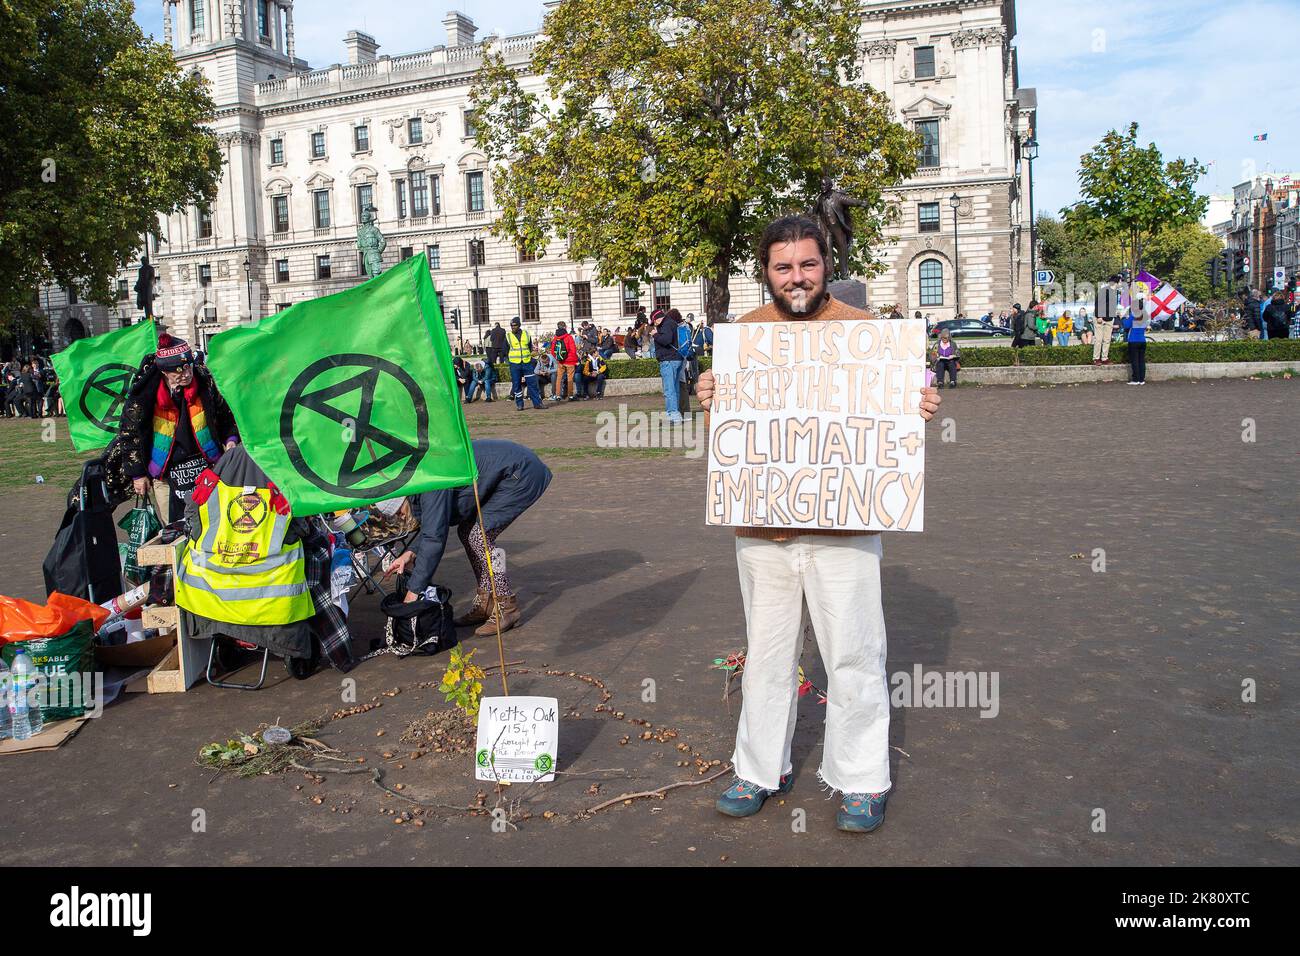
x=1212 y=273
x=455 y=318
x=1242 y=267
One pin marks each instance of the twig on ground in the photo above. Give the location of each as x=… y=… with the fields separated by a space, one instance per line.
x=658 y=791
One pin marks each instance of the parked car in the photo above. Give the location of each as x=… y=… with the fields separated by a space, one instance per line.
x=969 y=328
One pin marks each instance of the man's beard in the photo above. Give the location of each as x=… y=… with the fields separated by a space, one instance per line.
x=802 y=301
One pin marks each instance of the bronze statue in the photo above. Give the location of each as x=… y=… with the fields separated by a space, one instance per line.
x=371 y=242
x=832 y=211
x=144 y=287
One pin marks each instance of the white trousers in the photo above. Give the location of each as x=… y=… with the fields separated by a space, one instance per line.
x=837 y=579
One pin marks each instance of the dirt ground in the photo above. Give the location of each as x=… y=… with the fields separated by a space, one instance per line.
x=1119 y=691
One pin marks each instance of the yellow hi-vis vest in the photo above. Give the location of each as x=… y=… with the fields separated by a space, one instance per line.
x=521 y=349
x=239 y=569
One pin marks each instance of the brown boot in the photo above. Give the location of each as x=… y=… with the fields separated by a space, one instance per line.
x=508 y=609
x=479 y=612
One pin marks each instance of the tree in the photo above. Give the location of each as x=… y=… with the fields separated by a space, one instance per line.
x=674 y=130
x=1179 y=254
x=102 y=133
x=1131 y=193
x=1070 y=250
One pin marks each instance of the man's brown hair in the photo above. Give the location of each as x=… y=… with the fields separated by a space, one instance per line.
x=791 y=229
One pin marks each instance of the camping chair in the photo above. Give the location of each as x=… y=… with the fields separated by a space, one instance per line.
x=368 y=562
x=227 y=656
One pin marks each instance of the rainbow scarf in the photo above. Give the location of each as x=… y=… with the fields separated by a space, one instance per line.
x=165 y=418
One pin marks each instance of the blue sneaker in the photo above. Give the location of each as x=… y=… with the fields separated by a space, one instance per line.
x=744 y=799
x=861 y=812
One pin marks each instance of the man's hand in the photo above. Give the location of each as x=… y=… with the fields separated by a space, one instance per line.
x=410 y=596
x=930 y=399
x=231 y=444
x=704 y=389
x=141 y=485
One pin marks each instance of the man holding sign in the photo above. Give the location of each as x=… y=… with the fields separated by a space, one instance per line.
x=815 y=442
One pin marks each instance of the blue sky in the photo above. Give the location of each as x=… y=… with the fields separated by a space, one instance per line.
x=1201 y=77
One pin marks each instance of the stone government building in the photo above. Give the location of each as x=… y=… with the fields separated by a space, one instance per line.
x=305 y=150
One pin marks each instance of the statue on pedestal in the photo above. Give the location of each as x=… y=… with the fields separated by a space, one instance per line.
x=371 y=242
x=144 y=287
x=832 y=211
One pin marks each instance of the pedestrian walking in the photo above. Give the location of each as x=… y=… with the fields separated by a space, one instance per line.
x=523 y=375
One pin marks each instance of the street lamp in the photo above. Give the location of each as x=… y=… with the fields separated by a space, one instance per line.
x=955 y=201
x=248 y=280
x=1031 y=154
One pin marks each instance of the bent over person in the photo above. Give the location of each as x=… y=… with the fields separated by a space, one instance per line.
x=174 y=423
x=834 y=573
x=510 y=481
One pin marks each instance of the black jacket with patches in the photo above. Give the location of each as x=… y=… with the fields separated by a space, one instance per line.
x=136 y=430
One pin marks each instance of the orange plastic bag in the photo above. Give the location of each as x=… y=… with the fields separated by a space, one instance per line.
x=22 y=620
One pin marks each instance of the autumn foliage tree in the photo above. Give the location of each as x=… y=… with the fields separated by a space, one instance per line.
x=672 y=131
x=101 y=134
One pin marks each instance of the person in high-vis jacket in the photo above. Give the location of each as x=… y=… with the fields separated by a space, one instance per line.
x=242 y=573
x=519 y=354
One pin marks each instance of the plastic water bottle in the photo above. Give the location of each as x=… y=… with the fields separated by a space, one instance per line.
x=24 y=712
x=6 y=683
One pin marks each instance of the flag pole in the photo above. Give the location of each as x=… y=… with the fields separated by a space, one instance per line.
x=492 y=585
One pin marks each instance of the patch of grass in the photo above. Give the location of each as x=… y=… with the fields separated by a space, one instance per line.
x=605 y=454
x=24 y=454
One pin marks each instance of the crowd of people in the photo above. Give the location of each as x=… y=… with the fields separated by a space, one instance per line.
x=29 y=389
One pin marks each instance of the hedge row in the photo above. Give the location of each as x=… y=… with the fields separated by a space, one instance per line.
x=1273 y=350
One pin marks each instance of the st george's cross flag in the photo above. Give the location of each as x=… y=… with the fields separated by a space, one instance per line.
x=351 y=398
x=95 y=377
x=1161 y=297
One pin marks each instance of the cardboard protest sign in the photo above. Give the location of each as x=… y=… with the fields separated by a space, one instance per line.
x=518 y=739
x=817 y=425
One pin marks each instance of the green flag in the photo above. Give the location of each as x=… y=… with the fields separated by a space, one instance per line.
x=95 y=376
x=350 y=398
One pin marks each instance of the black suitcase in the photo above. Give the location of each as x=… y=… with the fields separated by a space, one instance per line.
x=83 y=560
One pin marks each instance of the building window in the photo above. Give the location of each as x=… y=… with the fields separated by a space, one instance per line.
x=196 y=14
x=263 y=18
x=415 y=130
x=365 y=199
x=435 y=256
x=471 y=128
x=323 y=267
x=581 y=295
x=277 y=152
x=122 y=293
x=477 y=253
x=526 y=256
x=436 y=182
x=927 y=217
x=280 y=213
x=923 y=62
x=530 y=309
x=317 y=145
x=281 y=306
x=478 y=300
x=631 y=298
x=931 y=282
x=662 y=293
x=361 y=138
x=321 y=201
x=205 y=274
x=209 y=314
x=281 y=270
x=205 y=222
x=407 y=252
x=399 y=197
x=419 y=193
x=474 y=191
x=928 y=157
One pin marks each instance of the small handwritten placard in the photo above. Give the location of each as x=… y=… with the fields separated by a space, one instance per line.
x=518 y=739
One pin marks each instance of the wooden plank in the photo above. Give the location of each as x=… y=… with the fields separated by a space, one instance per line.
x=162 y=616
x=166 y=677
x=153 y=552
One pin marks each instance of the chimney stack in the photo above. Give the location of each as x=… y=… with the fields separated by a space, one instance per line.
x=460 y=28
x=361 y=47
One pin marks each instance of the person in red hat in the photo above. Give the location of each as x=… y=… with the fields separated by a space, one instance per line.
x=174 y=423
